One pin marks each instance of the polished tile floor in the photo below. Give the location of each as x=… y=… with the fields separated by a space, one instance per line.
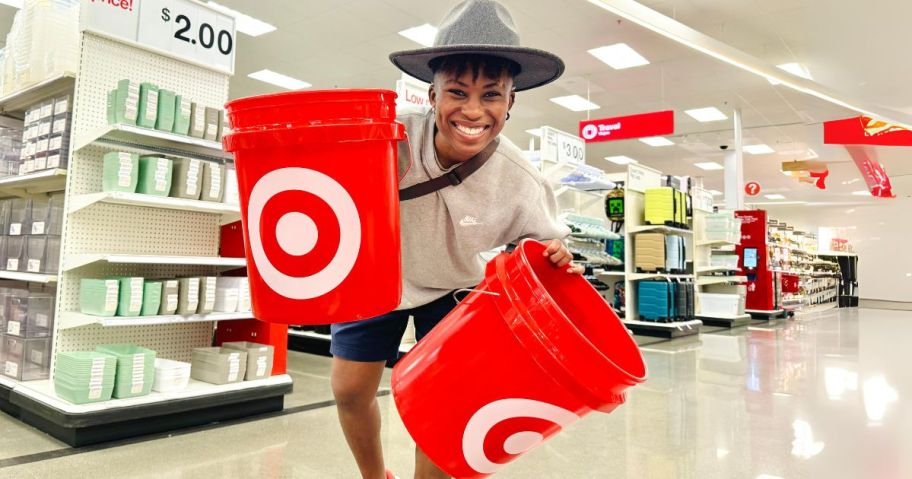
x=823 y=396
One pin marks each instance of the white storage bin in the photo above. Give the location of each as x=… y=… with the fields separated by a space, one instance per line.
x=170 y=375
x=227 y=294
x=724 y=305
x=729 y=261
x=729 y=236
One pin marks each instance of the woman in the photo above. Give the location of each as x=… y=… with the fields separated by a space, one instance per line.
x=475 y=68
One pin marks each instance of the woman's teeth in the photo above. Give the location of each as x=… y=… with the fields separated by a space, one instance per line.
x=470 y=131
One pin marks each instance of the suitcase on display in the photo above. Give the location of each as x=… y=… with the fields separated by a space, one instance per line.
x=656 y=300
x=660 y=206
x=680 y=294
x=681 y=209
x=691 y=302
x=675 y=261
x=649 y=252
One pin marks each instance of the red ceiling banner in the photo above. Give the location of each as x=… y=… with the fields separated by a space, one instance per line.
x=864 y=130
x=627 y=127
x=872 y=171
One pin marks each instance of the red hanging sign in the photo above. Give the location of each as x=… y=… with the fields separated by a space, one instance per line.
x=752 y=188
x=627 y=127
x=872 y=171
x=864 y=130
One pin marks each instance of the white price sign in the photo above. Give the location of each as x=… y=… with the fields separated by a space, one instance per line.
x=640 y=178
x=180 y=28
x=562 y=147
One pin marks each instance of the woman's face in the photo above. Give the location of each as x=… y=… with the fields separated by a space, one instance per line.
x=470 y=113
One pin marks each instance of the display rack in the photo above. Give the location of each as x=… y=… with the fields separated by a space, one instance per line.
x=110 y=235
x=639 y=178
x=709 y=275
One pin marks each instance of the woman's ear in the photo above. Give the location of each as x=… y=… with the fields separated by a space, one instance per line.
x=432 y=96
x=512 y=99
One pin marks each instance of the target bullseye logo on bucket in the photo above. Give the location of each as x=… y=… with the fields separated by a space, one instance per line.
x=319 y=203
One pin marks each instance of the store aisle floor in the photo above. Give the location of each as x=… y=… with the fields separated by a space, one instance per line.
x=826 y=395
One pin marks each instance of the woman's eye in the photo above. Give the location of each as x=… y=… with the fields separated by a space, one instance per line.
x=457 y=92
x=492 y=94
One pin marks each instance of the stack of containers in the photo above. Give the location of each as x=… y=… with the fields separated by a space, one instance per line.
x=149 y=106
x=170 y=375
x=42 y=43
x=259 y=358
x=184 y=178
x=25 y=359
x=10 y=150
x=26 y=325
x=84 y=377
x=46 y=136
x=31 y=234
x=723 y=226
x=218 y=365
x=135 y=369
x=136 y=296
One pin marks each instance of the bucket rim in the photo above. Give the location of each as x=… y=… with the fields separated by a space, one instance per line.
x=323 y=133
x=272 y=100
x=551 y=306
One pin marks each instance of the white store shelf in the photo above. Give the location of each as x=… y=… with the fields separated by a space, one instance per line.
x=724 y=317
x=43 y=391
x=28 y=277
x=230 y=212
x=18 y=101
x=659 y=229
x=708 y=280
x=33 y=183
x=641 y=276
x=76 y=261
x=716 y=269
x=716 y=243
x=155 y=141
x=680 y=325
x=72 y=319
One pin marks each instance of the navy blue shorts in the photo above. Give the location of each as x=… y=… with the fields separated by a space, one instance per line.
x=378 y=339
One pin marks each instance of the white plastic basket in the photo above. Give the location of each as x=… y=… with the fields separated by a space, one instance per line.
x=724 y=305
x=170 y=375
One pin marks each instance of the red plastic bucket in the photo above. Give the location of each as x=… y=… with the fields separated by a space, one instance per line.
x=532 y=350
x=319 y=203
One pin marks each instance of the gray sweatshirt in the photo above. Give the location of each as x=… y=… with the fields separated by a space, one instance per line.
x=443 y=233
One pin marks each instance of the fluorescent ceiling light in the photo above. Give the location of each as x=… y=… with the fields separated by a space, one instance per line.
x=619 y=56
x=535 y=132
x=774 y=197
x=278 y=79
x=862 y=193
x=422 y=34
x=621 y=160
x=12 y=3
x=705 y=115
x=657 y=141
x=796 y=69
x=244 y=23
x=575 y=103
x=715 y=192
x=761 y=149
x=709 y=166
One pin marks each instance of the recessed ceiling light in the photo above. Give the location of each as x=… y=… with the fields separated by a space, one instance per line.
x=657 y=141
x=715 y=192
x=244 y=23
x=862 y=193
x=619 y=56
x=709 y=166
x=774 y=197
x=796 y=69
x=278 y=79
x=422 y=34
x=535 y=132
x=761 y=149
x=575 y=103
x=705 y=115
x=621 y=160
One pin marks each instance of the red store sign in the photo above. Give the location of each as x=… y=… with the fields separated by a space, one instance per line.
x=627 y=127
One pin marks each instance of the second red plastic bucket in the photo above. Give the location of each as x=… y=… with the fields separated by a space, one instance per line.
x=531 y=351
x=317 y=177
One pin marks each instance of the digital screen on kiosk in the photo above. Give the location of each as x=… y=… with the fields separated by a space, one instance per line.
x=750 y=258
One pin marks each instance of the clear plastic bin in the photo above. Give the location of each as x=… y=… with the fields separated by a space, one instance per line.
x=15 y=253
x=20 y=214
x=47 y=215
x=29 y=315
x=25 y=359
x=42 y=254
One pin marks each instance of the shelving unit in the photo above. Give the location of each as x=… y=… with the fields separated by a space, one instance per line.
x=112 y=235
x=15 y=104
x=29 y=277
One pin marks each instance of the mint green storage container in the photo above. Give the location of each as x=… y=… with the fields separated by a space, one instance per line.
x=130 y=300
x=154 y=176
x=120 y=172
x=166 y=103
x=99 y=297
x=135 y=369
x=126 y=102
x=182 y=111
x=148 y=105
x=152 y=295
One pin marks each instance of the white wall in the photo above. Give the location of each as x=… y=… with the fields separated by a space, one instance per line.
x=881 y=234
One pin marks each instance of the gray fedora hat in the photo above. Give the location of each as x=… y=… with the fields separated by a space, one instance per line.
x=482 y=27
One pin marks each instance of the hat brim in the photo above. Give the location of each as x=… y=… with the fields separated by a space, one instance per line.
x=538 y=67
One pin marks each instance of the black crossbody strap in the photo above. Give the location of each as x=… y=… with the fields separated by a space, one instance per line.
x=453 y=178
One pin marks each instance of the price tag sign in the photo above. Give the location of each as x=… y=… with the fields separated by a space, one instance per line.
x=183 y=29
x=562 y=147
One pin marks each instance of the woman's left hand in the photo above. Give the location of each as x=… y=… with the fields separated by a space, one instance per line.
x=558 y=253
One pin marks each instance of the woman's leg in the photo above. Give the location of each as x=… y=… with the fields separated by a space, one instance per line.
x=355 y=387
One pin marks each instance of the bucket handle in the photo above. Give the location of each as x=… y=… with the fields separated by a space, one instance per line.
x=470 y=290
